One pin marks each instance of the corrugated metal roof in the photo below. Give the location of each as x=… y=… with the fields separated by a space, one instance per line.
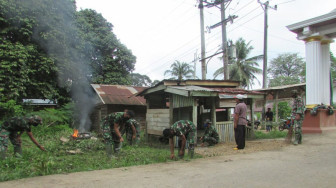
x=281 y=87
x=191 y=88
x=118 y=94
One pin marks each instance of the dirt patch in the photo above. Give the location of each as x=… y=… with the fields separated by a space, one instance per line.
x=250 y=147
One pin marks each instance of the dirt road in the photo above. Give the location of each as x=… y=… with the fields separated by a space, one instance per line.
x=312 y=164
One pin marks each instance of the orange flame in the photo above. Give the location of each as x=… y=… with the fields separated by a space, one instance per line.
x=75 y=134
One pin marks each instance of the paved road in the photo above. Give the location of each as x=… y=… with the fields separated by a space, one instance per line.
x=312 y=164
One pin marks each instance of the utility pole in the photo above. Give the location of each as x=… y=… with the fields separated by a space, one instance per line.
x=195 y=62
x=265 y=6
x=224 y=43
x=201 y=7
x=224 y=36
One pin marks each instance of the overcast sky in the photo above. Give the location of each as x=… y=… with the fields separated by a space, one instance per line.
x=158 y=32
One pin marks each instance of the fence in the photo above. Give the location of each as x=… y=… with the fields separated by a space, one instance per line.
x=225 y=131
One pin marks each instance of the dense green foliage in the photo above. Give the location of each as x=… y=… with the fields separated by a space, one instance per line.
x=140 y=80
x=110 y=60
x=284 y=110
x=286 y=69
x=333 y=66
x=242 y=69
x=179 y=71
x=45 y=46
x=9 y=109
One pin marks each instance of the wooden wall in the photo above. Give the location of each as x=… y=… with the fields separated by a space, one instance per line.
x=157 y=120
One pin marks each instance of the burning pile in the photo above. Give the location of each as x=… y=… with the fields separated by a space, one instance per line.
x=81 y=135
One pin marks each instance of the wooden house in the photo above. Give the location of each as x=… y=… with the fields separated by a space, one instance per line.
x=195 y=100
x=117 y=98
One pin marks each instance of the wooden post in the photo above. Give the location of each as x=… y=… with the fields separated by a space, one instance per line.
x=252 y=119
x=146 y=127
x=213 y=111
x=194 y=118
x=276 y=106
x=171 y=110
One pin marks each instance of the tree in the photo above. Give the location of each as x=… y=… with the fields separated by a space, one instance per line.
x=286 y=69
x=140 y=80
x=242 y=69
x=25 y=68
x=284 y=109
x=46 y=46
x=110 y=60
x=333 y=66
x=179 y=71
x=155 y=82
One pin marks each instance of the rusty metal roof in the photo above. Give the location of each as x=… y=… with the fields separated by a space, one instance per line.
x=236 y=91
x=119 y=94
x=229 y=93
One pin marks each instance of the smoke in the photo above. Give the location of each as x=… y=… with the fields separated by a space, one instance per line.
x=56 y=32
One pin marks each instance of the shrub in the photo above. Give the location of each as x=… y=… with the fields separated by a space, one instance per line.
x=9 y=109
x=284 y=110
x=61 y=116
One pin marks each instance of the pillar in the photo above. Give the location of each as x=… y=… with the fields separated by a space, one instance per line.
x=325 y=47
x=317 y=71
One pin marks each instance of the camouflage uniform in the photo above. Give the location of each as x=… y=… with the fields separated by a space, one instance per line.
x=298 y=108
x=3 y=142
x=129 y=131
x=188 y=129
x=10 y=129
x=109 y=134
x=210 y=136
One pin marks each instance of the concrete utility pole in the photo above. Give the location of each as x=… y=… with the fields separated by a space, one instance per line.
x=200 y=6
x=265 y=6
x=224 y=43
x=224 y=36
x=195 y=62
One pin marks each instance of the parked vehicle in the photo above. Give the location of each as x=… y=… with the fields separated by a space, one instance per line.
x=256 y=124
x=286 y=124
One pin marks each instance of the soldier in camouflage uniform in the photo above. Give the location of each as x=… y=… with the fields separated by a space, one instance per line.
x=210 y=135
x=186 y=132
x=111 y=126
x=132 y=130
x=298 y=110
x=13 y=129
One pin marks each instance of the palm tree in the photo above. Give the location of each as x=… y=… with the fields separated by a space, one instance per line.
x=242 y=69
x=179 y=71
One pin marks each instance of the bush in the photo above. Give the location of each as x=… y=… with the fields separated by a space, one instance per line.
x=51 y=117
x=9 y=109
x=284 y=110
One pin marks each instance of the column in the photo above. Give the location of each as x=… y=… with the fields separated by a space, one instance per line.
x=325 y=47
x=194 y=117
x=314 y=88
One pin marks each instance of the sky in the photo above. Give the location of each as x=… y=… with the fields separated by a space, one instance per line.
x=159 y=32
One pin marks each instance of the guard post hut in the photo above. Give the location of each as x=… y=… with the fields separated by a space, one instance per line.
x=195 y=100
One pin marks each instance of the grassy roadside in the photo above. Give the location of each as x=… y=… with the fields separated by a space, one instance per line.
x=58 y=160
x=91 y=156
x=269 y=135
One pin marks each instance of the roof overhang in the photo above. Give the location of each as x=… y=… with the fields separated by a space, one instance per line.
x=321 y=26
x=119 y=94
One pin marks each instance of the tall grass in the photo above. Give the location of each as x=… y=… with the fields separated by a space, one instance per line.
x=57 y=159
x=270 y=135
